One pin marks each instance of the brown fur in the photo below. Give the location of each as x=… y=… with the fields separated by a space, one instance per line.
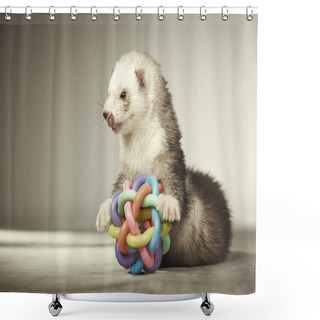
x=140 y=76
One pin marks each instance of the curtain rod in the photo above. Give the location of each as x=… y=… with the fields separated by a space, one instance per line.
x=128 y=10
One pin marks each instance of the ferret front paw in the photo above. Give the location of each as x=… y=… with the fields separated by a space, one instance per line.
x=169 y=206
x=104 y=215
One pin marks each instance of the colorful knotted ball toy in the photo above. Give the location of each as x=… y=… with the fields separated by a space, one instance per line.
x=136 y=248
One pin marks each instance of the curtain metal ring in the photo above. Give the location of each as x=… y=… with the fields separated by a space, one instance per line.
x=160 y=15
x=224 y=13
x=93 y=16
x=203 y=13
x=52 y=12
x=180 y=13
x=116 y=16
x=138 y=15
x=73 y=13
x=28 y=13
x=249 y=17
x=7 y=11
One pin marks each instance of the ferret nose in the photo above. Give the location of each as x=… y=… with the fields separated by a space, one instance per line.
x=105 y=115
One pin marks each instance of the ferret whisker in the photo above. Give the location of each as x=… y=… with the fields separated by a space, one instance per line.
x=99 y=120
x=99 y=104
x=101 y=94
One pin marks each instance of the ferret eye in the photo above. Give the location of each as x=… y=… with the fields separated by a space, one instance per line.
x=123 y=95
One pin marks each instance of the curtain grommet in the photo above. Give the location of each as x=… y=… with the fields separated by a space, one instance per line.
x=93 y=16
x=249 y=16
x=28 y=13
x=52 y=12
x=224 y=13
x=73 y=13
x=116 y=16
x=138 y=15
x=180 y=13
x=160 y=15
x=203 y=13
x=7 y=12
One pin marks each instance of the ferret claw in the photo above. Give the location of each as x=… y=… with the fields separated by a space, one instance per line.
x=104 y=215
x=169 y=206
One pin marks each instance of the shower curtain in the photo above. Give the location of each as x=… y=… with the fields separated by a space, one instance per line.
x=60 y=159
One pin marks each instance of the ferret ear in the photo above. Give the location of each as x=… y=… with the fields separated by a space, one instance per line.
x=140 y=76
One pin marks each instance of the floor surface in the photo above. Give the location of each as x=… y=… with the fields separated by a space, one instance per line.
x=65 y=262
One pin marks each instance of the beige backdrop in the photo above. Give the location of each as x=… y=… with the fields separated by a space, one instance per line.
x=59 y=159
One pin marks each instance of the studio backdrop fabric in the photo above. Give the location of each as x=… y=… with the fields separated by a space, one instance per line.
x=60 y=158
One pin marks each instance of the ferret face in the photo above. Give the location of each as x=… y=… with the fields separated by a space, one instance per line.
x=126 y=102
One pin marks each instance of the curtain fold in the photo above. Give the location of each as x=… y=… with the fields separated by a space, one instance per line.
x=59 y=160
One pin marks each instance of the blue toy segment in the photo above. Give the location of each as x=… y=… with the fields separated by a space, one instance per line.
x=136 y=268
x=153 y=182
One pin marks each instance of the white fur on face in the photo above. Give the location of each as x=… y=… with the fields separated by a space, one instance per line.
x=124 y=79
x=142 y=135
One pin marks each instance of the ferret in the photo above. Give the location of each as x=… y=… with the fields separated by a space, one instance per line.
x=139 y=108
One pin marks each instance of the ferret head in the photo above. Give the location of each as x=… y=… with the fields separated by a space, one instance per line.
x=129 y=98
